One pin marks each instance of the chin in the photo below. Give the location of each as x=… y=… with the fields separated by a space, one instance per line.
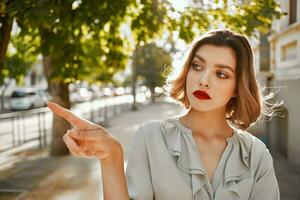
x=201 y=108
x=206 y=107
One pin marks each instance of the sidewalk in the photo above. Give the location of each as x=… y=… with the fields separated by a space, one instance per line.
x=72 y=178
x=69 y=177
x=288 y=178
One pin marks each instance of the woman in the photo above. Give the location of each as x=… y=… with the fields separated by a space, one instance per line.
x=203 y=154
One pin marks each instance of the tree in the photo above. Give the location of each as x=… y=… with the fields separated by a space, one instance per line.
x=18 y=62
x=76 y=39
x=5 y=30
x=150 y=62
x=242 y=16
x=81 y=39
x=13 y=65
x=148 y=23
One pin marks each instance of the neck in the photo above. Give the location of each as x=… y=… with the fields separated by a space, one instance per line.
x=208 y=125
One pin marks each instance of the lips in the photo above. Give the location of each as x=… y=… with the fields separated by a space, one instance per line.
x=200 y=94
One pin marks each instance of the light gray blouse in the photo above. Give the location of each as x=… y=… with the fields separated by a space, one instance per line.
x=164 y=164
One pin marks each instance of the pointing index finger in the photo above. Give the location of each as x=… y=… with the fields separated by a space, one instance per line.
x=68 y=115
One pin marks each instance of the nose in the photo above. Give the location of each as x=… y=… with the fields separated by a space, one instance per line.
x=203 y=80
x=204 y=84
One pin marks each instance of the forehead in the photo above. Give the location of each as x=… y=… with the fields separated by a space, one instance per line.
x=217 y=55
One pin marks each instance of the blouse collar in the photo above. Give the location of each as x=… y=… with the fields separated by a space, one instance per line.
x=181 y=144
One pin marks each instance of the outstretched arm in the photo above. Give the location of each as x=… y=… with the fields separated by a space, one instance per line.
x=90 y=140
x=113 y=178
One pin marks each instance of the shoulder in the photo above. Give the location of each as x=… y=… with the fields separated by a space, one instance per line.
x=257 y=152
x=149 y=128
x=251 y=142
x=150 y=125
x=159 y=132
x=149 y=131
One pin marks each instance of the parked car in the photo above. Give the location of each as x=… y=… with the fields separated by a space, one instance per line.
x=118 y=91
x=28 y=98
x=80 y=95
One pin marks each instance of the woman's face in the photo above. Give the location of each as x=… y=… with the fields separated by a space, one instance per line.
x=212 y=71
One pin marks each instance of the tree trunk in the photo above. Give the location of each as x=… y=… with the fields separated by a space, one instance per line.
x=60 y=95
x=152 y=94
x=134 y=77
x=33 y=77
x=5 y=35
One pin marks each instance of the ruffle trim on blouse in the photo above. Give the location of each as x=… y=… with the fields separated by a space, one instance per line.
x=181 y=145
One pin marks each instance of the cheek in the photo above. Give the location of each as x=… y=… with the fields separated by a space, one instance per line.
x=189 y=82
x=191 y=79
x=226 y=91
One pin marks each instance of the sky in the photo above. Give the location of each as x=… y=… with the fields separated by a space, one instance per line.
x=179 y=4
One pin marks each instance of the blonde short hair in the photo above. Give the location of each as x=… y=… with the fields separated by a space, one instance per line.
x=247 y=106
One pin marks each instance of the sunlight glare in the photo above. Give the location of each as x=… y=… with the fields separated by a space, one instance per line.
x=178 y=5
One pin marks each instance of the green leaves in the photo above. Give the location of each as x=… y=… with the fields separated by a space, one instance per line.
x=150 y=62
x=76 y=34
x=148 y=20
x=19 y=61
x=83 y=36
x=244 y=18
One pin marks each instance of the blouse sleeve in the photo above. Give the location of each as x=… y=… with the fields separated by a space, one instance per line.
x=266 y=185
x=138 y=170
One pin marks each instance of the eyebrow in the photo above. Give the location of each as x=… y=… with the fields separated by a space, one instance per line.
x=217 y=65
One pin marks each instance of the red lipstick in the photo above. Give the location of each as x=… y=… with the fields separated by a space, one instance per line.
x=200 y=94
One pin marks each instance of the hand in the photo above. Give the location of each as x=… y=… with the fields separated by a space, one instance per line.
x=87 y=139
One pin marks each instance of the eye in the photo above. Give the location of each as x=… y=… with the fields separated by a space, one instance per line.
x=196 y=67
x=222 y=75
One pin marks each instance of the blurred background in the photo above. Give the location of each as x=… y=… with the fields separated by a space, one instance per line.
x=108 y=61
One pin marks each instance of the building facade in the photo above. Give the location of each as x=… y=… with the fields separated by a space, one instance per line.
x=284 y=73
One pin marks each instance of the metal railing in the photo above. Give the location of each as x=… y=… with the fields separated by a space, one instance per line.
x=19 y=128
x=26 y=129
